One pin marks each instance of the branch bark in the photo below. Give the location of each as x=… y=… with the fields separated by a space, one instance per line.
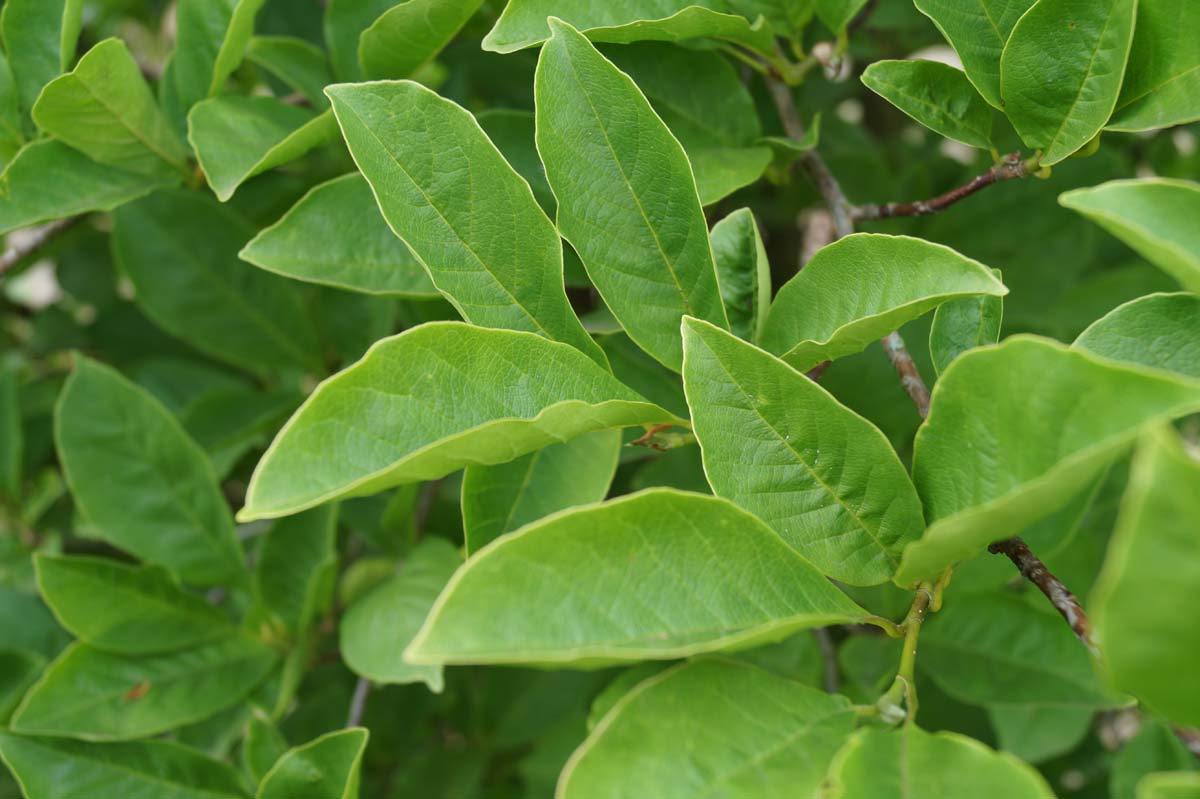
x=1032 y=568
x=33 y=241
x=1011 y=168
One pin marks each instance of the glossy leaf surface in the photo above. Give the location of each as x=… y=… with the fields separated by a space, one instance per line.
x=743 y=272
x=937 y=95
x=977 y=31
x=410 y=34
x=1161 y=331
x=1162 y=80
x=327 y=767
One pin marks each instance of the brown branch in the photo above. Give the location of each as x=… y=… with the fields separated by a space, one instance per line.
x=1032 y=568
x=33 y=241
x=1011 y=168
x=830 y=678
x=906 y=368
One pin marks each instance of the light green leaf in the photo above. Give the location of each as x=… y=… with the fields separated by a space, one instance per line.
x=1153 y=568
x=1037 y=733
x=699 y=96
x=236 y=138
x=50 y=768
x=327 y=768
x=978 y=31
x=377 y=628
x=208 y=297
x=893 y=764
x=863 y=287
x=963 y=324
x=98 y=696
x=39 y=38
x=998 y=649
x=1154 y=216
x=12 y=437
x=12 y=127
x=627 y=199
x=336 y=236
x=985 y=466
x=784 y=449
x=498 y=499
x=1162 y=81
x=105 y=109
x=211 y=41
x=152 y=493
x=762 y=736
x=837 y=14
x=524 y=23
x=80 y=185
x=262 y=745
x=463 y=211
x=410 y=35
x=144 y=611
x=1169 y=785
x=345 y=21
x=937 y=95
x=590 y=586
x=296 y=571
x=299 y=63
x=1061 y=71
x=377 y=424
x=1160 y=331
x=743 y=272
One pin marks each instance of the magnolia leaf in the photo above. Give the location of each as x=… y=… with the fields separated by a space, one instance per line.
x=978 y=32
x=1154 y=216
x=40 y=38
x=1162 y=81
x=892 y=764
x=300 y=64
x=863 y=287
x=262 y=745
x=236 y=138
x=12 y=437
x=12 y=133
x=764 y=736
x=1061 y=71
x=780 y=446
x=1153 y=563
x=327 y=767
x=378 y=626
x=525 y=23
x=51 y=768
x=837 y=14
x=532 y=596
x=627 y=198
x=1037 y=733
x=105 y=109
x=345 y=21
x=964 y=324
x=463 y=211
x=742 y=272
x=1169 y=785
x=99 y=696
x=229 y=423
x=18 y=670
x=144 y=610
x=375 y=425
x=986 y=466
x=937 y=95
x=296 y=571
x=410 y=35
x=211 y=41
x=501 y=498
x=153 y=494
x=1160 y=330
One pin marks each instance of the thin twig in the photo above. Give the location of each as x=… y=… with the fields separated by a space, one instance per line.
x=358 y=702
x=1032 y=568
x=862 y=17
x=33 y=241
x=830 y=679
x=1011 y=167
x=906 y=368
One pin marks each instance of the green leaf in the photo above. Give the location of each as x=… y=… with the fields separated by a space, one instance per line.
x=498 y=499
x=327 y=767
x=211 y=41
x=99 y=696
x=1153 y=568
x=589 y=587
x=525 y=23
x=985 y=466
x=937 y=95
x=345 y=21
x=891 y=764
x=80 y=185
x=627 y=198
x=377 y=628
x=1154 y=748
x=18 y=670
x=784 y=449
x=863 y=287
x=1160 y=331
x=1154 y=216
x=236 y=138
x=964 y=324
x=152 y=494
x=336 y=236
x=27 y=625
x=998 y=649
x=296 y=570
x=374 y=426
x=1037 y=733
x=410 y=35
x=262 y=745
x=227 y=424
x=208 y=297
x=742 y=272
x=977 y=31
x=12 y=133
x=762 y=736
x=12 y=437
x=50 y=768
x=105 y=109
x=298 y=63
x=1162 y=81
x=708 y=109
x=1061 y=71
x=39 y=38
x=464 y=211
x=144 y=610
x=1170 y=785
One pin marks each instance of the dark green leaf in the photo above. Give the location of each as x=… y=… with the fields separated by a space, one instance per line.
x=742 y=272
